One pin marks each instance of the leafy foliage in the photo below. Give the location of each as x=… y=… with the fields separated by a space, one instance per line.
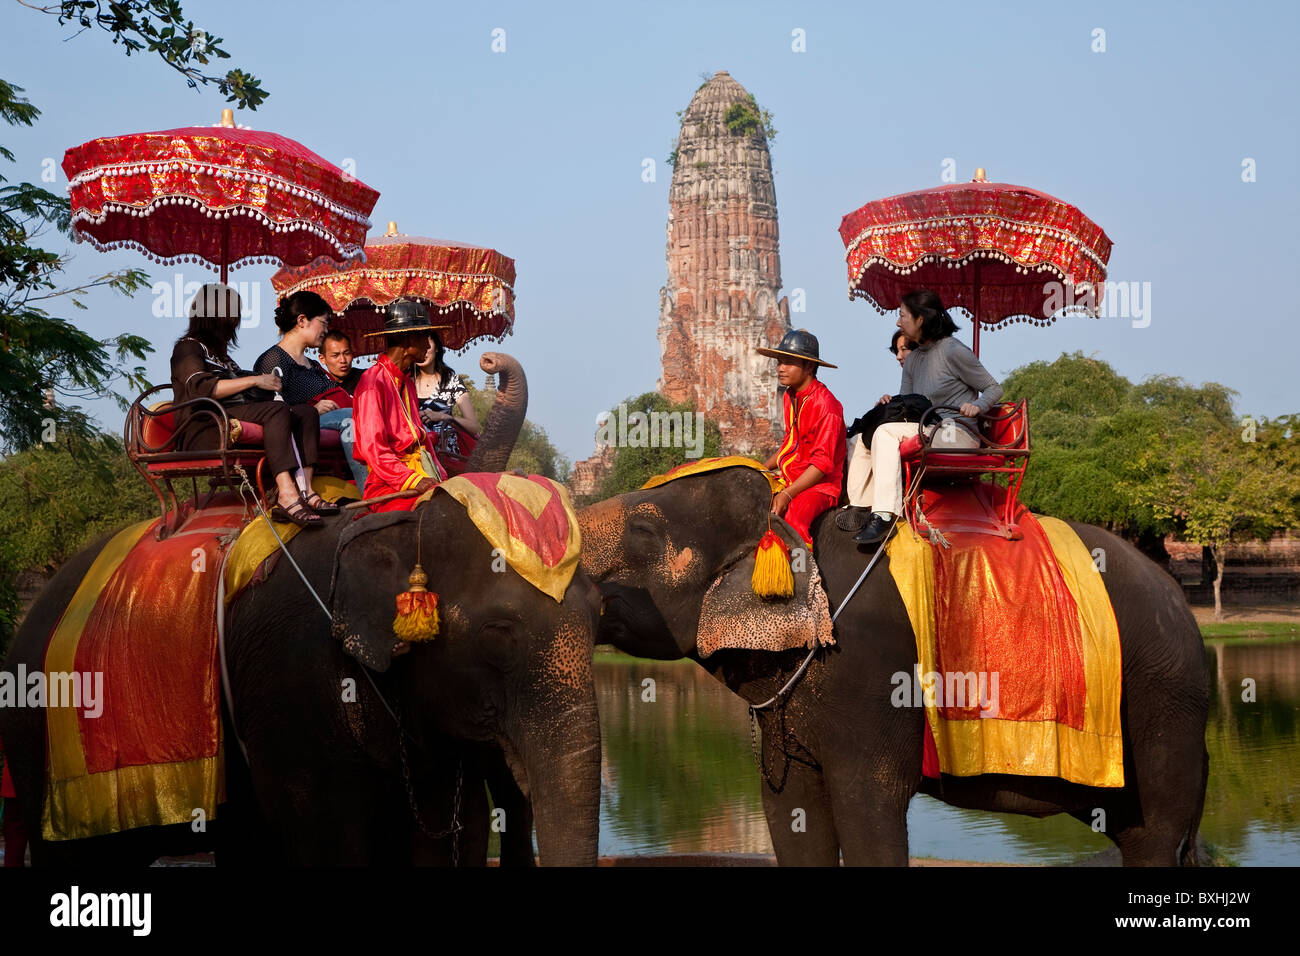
x=43 y=356
x=159 y=26
x=54 y=500
x=747 y=117
x=1155 y=457
x=634 y=466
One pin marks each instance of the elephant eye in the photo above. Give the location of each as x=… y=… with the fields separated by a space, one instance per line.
x=643 y=528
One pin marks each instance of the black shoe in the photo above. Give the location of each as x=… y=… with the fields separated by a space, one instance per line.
x=875 y=531
x=851 y=518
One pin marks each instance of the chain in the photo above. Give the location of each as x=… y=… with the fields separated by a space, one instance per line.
x=454 y=829
x=756 y=747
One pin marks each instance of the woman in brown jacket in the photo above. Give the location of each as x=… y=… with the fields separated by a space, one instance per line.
x=202 y=368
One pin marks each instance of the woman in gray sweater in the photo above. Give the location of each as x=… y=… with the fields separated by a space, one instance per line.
x=944 y=371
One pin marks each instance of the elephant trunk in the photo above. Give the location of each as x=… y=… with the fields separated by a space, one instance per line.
x=561 y=758
x=506 y=418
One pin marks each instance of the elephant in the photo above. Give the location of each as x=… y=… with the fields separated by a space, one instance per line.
x=838 y=749
x=382 y=775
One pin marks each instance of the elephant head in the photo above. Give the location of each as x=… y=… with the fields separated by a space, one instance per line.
x=509 y=665
x=674 y=565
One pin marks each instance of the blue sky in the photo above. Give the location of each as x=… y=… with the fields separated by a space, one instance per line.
x=538 y=152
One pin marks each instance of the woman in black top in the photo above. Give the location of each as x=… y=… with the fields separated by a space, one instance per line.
x=303 y=319
x=202 y=368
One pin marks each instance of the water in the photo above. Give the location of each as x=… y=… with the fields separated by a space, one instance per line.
x=679 y=775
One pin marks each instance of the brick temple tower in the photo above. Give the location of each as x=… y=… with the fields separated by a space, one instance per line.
x=724 y=270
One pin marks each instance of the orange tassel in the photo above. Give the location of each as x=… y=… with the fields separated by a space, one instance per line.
x=417 y=610
x=772 y=576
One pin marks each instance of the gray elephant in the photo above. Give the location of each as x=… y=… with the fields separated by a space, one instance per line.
x=382 y=762
x=674 y=562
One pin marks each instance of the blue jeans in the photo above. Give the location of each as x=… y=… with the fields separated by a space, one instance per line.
x=340 y=420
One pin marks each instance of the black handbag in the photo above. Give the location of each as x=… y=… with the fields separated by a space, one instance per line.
x=900 y=408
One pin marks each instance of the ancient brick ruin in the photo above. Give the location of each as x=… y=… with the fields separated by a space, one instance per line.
x=724 y=270
x=724 y=277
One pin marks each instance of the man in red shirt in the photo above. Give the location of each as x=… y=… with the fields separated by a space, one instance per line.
x=811 y=457
x=390 y=438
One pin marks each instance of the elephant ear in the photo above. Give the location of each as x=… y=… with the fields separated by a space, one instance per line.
x=361 y=606
x=733 y=616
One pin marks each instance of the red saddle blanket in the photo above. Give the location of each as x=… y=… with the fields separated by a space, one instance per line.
x=141 y=629
x=1020 y=669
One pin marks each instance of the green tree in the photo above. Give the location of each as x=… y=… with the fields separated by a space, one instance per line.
x=635 y=464
x=1216 y=488
x=54 y=500
x=533 y=454
x=43 y=356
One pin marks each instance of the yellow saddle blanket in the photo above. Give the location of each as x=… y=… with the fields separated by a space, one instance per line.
x=1019 y=652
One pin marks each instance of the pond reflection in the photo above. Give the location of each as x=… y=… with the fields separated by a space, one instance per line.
x=679 y=774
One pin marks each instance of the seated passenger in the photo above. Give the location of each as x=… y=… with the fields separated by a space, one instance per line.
x=947 y=373
x=390 y=440
x=902 y=347
x=445 y=407
x=852 y=518
x=336 y=357
x=304 y=318
x=202 y=368
x=811 y=456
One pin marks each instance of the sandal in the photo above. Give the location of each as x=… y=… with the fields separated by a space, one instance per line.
x=298 y=513
x=319 y=505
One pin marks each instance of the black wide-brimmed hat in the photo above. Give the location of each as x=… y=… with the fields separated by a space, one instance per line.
x=799 y=344
x=406 y=315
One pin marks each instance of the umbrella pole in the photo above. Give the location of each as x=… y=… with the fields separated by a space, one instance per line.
x=975 y=310
x=225 y=250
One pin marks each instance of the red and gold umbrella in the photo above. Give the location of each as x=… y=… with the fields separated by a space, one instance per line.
x=467 y=288
x=218 y=195
x=1003 y=253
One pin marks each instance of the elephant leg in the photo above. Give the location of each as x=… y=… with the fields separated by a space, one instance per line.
x=513 y=812
x=800 y=821
x=871 y=821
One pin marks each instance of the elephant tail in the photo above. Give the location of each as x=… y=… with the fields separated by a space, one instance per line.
x=1188 y=855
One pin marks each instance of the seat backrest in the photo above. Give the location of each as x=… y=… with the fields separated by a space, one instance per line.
x=156 y=431
x=1010 y=426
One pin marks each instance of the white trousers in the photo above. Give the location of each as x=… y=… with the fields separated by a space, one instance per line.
x=875 y=478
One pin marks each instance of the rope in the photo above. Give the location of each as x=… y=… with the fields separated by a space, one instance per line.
x=816 y=647
x=789 y=685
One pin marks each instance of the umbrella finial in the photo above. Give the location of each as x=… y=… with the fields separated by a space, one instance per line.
x=392 y=229
x=228 y=117
x=979 y=175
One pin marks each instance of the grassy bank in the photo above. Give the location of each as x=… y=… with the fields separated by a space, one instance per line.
x=1270 y=632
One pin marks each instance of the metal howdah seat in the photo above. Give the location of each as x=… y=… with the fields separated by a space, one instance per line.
x=150 y=439
x=1003 y=451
